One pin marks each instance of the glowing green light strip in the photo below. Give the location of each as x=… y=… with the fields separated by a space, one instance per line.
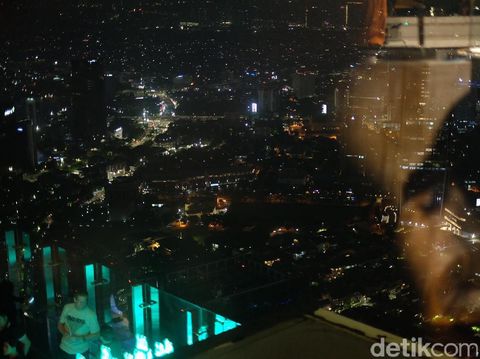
x=107 y=316
x=138 y=319
x=202 y=333
x=48 y=275
x=90 y=285
x=106 y=274
x=223 y=324
x=155 y=312
x=218 y=324
x=189 y=329
x=202 y=325
x=27 y=251
x=11 y=252
x=62 y=257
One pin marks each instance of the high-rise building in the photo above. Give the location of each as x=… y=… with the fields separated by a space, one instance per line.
x=267 y=98
x=243 y=12
x=88 y=113
x=31 y=109
x=122 y=198
x=352 y=12
x=303 y=83
x=17 y=140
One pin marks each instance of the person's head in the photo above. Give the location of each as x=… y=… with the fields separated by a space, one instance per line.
x=106 y=335
x=80 y=299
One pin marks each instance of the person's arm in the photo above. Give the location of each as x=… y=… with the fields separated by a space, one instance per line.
x=94 y=329
x=113 y=306
x=62 y=328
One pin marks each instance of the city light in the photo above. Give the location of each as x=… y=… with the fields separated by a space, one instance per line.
x=9 y=111
x=163 y=348
x=248 y=157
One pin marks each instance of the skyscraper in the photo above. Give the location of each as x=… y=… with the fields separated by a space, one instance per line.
x=303 y=83
x=352 y=12
x=88 y=113
x=31 y=109
x=17 y=140
x=267 y=98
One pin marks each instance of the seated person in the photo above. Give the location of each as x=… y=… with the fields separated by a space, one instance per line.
x=14 y=341
x=107 y=339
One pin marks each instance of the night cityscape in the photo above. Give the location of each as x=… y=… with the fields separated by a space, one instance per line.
x=207 y=172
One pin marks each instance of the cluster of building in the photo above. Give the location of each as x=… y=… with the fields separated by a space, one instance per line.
x=236 y=163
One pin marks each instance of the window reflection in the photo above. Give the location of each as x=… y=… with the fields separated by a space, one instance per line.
x=412 y=109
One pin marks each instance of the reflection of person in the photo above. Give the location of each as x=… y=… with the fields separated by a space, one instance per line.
x=376 y=19
x=423 y=122
x=121 y=326
x=14 y=341
x=444 y=263
x=107 y=339
x=415 y=152
x=78 y=325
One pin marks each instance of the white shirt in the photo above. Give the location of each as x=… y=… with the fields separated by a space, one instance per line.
x=78 y=322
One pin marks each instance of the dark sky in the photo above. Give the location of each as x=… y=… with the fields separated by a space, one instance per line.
x=19 y=9
x=31 y=17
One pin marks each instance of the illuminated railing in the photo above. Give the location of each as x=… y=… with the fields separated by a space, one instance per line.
x=98 y=284
x=55 y=273
x=19 y=253
x=158 y=314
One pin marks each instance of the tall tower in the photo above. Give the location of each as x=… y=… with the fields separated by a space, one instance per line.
x=352 y=13
x=17 y=140
x=306 y=17
x=303 y=83
x=267 y=98
x=31 y=109
x=88 y=113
